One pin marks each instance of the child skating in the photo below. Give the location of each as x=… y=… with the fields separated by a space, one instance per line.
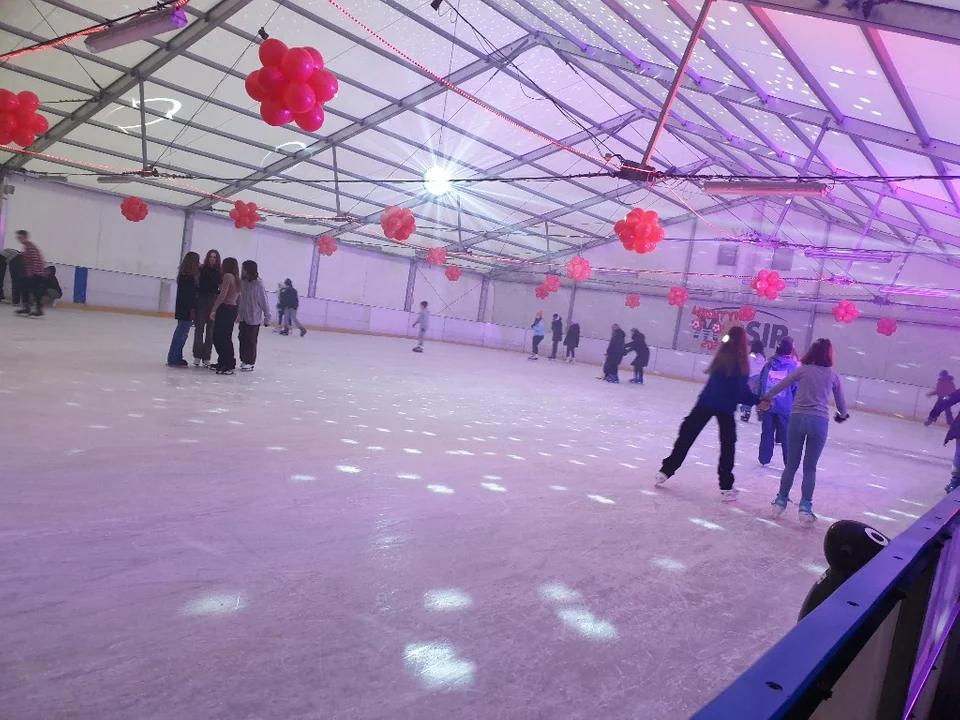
x=944 y=389
x=774 y=421
x=638 y=344
x=290 y=302
x=423 y=322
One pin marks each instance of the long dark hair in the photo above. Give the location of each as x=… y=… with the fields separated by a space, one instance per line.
x=820 y=353
x=733 y=356
x=190 y=265
x=217 y=266
x=230 y=266
x=250 y=271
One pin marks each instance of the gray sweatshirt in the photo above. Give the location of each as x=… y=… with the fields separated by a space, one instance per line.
x=252 y=307
x=423 y=320
x=815 y=383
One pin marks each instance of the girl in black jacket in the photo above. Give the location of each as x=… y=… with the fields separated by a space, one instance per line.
x=615 y=352
x=185 y=308
x=572 y=341
x=638 y=344
x=208 y=289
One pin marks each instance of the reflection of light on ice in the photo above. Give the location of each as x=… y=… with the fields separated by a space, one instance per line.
x=911 y=502
x=814 y=568
x=878 y=487
x=408 y=476
x=350 y=469
x=302 y=478
x=492 y=477
x=668 y=564
x=438 y=667
x=585 y=623
x=443 y=600
x=602 y=500
x=705 y=524
x=493 y=487
x=442 y=489
x=214 y=605
x=412 y=451
x=557 y=487
x=906 y=514
x=878 y=517
x=348 y=441
x=558 y=593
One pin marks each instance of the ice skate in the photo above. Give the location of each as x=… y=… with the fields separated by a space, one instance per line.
x=533 y=357
x=745 y=416
x=22 y=311
x=660 y=478
x=196 y=362
x=730 y=495
x=953 y=485
x=245 y=368
x=806 y=516
x=225 y=371
x=303 y=331
x=36 y=313
x=418 y=349
x=778 y=506
x=284 y=332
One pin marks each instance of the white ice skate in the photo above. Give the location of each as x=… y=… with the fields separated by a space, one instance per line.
x=660 y=479
x=730 y=495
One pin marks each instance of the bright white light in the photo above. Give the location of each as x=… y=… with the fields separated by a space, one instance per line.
x=668 y=564
x=172 y=109
x=602 y=500
x=493 y=487
x=441 y=489
x=444 y=600
x=585 y=623
x=558 y=488
x=302 y=478
x=558 y=593
x=408 y=476
x=438 y=666
x=436 y=181
x=705 y=524
x=350 y=469
x=214 y=605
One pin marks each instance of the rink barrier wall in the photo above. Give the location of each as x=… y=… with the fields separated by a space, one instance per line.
x=110 y=291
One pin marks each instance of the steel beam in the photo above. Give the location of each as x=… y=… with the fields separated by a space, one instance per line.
x=194 y=32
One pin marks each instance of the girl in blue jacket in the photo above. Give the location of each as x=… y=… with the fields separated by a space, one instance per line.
x=725 y=389
x=774 y=421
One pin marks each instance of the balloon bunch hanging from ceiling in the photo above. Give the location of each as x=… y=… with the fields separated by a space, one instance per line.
x=578 y=269
x=244 y=215
x=886 y=326
x=632 y=301
x=133 y=209
x=550 y=284
x=20 y=122
x=292 y=85
x=845 y=312
x=326 y=245
x=398 y=223
x=453 y=273
x=768 y=284
x=437 y=256
x=677 y=296
x=639 y=231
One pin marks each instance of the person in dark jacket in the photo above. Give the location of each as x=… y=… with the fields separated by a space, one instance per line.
x=208 y=289
x=616 y=349
x=944 y=389
x=954 y=434
x=638 y=344
x=556 y=327
x=289 y=304
x=572 y=341
x=725 y=389
x=774 y=421
x=12 y=259
x=53 y=291
x=185 y=308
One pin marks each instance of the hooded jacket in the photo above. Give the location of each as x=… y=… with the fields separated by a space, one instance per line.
x=573 y=336
x=776 y=370
x=557 y=328
x=616 y=348
x=945 y=386
x=638 y=344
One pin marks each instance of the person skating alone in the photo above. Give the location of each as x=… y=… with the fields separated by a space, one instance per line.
x=207 y=291
x=290 y=303
x=422 y=322
x=252 y=309
x=34 y=277
x=556 y=328
x=224 y=316
x=944 y=389
x=572 y=341
x=185 y=308
x=774 y=421
x=725 y=389
x=537 y=328
x=638 y=345
x=809 y=423
x=757 y=362
x=616 y=349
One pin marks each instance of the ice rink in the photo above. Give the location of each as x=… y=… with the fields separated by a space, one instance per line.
x=355 y=531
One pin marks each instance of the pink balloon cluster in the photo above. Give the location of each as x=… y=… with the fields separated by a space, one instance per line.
x=326 y=245
x=845 y=312
x=639 y=231
x=437 y=256
x=768 y=284
x=133 y=209
x=453 y=273
x=398 y=223
x=244 y=215
x=632 y=301
x=552 y=283
x=578 y=269
x=542 y=292
x=677 y=296
x=291 y=85
x=20 y=122
x=886 y=326
x=746 y=313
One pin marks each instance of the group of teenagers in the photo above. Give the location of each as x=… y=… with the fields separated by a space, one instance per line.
x=215 y=295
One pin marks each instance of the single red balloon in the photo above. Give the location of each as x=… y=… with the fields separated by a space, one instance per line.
x=297 y=65
x=311 y=120
x=8 y=101
x=271 y=82
x=40 y=124
x=252 y=85
x=24 y=137
x=317 y=58
x=325 y=85
x=298 y=97
x=272 y=52
x=29 y=100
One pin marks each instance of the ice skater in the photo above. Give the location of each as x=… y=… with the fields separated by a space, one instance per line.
x=279 y=327
x=725 y=389
x=537 y=327
x=638 y=345
x=34 y=284
x=207 y=292
x=808 y=425
x=944 y=389
x=774 y=421
x=757 y=362
x=185 y=308
x=572 y=341
x=422 y=322
x=290 y=303
x=224 y=316
x=616 y=349
x=252 y=309
x=52 y=291
x=954 y=434
x=556 y=328
x=7 y=257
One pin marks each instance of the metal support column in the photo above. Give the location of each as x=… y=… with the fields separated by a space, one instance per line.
x=143 y=126
x=3 y=212
x=484 y=292
x=686 y=278
x=314 y=271
x=573 y=302
x=677 y=80
x=411 y=284
x=813 y=308
x=336 y=178
x=866 y=229
x=186 y=240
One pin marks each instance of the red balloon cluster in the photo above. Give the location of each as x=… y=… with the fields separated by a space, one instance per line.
x=291 y=85
x=677 y=296
x=768 y=284
x=326 y=245
x=542 y=292
x=552 y=283
x=639 y=231
x=20 y=122
x=846 y=312
x=244 y=215
x=453 y=273
x=746 y=313
x=886 y=326
x=632 y=301
x=578 y=269
x=398 y=223
x=437 y=256
x=133 y=208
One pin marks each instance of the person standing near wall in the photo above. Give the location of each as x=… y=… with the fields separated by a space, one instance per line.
x=944 y=389
x=809 y=423
x=774 y=421
x=224 y=316
x=185 y=308
x=252 y=309
x=423 y=322
x=537 y=327
x=638 y=345
x=556 y=328
x=572 y=341
x=207 y=292
x=616 y=349
x=35 y=272
x=290 y=303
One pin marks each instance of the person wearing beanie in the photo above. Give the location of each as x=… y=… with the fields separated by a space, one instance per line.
x=757 y=361
x=945 y=387
x=288 y=304
x=774 y=421
x=537 y=328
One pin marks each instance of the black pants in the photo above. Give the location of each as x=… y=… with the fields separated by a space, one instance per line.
x=638 y=374
x=32 y=292
x=203 y=328
x=536 y=344
x=18 y=279
x=611 y=366
x=3 y=273
x=571 y=352
x=690 y=429
x=223 y=337
x=941 y=406
x=247 y=337
x=553 y=355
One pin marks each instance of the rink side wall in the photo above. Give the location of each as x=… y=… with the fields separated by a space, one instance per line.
x=132 y=267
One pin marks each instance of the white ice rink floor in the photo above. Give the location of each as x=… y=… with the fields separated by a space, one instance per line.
x=356 y=532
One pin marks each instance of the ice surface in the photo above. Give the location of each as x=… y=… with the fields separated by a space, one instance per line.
x=356 y=531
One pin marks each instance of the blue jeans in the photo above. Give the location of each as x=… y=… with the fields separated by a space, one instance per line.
x=809 y=430
x=175 y=356
x=774 y=425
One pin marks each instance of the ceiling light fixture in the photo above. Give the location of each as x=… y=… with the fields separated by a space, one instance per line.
x=436 y=181
x=141 y=27
x=865 y=255
x=919 y=292
x=766 y=189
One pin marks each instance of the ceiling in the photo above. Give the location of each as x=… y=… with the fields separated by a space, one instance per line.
x=771 y=89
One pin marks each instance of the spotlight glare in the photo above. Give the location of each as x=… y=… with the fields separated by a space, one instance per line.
x=436 y=181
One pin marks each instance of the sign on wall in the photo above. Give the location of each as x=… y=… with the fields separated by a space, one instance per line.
x=702 y=327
